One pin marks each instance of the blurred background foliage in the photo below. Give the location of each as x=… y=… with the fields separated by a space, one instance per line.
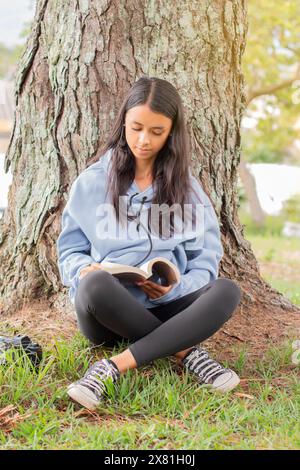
x=10 y=56
x=271 y=66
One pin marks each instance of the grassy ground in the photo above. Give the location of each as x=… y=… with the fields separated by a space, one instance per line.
x=278 y=256
x=156 y=406
x=151 y=408
x=279 y=261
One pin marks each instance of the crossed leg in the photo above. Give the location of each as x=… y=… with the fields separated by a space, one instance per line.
x=108 y=313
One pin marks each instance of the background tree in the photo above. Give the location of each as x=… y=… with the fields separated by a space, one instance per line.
x=79 y=61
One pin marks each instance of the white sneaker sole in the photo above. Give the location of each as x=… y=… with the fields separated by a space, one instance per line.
x=226 y=382
x=82 y=396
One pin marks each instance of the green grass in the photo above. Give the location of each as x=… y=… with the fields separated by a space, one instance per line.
x=279 y=260
x=290 y=290
x=153 y=407
x=278 y=256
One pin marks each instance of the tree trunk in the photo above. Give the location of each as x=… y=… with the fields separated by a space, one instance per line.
x=80 y=59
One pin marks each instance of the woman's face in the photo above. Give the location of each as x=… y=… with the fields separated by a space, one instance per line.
x=147 y=130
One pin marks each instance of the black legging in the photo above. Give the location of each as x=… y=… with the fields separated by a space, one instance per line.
x=108 y=313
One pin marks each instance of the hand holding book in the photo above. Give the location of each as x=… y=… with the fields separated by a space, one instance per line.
x=152 y=289
x=89 y=269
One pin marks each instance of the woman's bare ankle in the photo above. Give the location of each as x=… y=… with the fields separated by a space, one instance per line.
x=181 y=354
x=124 y=361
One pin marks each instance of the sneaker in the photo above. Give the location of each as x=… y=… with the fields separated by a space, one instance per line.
x=210 y=372
x=90 y=390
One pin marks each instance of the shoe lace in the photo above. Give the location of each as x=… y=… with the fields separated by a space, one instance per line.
x=96 y=376
x=207 y=369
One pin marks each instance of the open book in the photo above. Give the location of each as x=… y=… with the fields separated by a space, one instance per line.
x=165 y=269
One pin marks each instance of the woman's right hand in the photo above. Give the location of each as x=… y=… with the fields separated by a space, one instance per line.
x=89 y=269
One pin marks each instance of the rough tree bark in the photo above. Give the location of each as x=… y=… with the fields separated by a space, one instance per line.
x=81 y=57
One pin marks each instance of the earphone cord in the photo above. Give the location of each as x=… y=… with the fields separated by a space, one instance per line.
x=134 y=217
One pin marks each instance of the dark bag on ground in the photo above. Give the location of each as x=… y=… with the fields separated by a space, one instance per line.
x=20 y=343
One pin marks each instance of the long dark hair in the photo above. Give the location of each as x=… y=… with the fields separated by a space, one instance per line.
x=171 y=166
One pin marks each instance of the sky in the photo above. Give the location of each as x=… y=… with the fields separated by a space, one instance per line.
x=13 y=15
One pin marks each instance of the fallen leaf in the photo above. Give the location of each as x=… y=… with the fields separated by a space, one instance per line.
x=244 y=395
x=9 y=418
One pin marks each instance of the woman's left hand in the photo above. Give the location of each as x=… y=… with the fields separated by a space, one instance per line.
x=152 y=289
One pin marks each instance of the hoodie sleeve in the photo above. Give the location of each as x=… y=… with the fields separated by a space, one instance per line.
x=204 y=258
x=73 y=247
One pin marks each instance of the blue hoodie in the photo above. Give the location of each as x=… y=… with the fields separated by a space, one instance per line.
x=80 y=242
